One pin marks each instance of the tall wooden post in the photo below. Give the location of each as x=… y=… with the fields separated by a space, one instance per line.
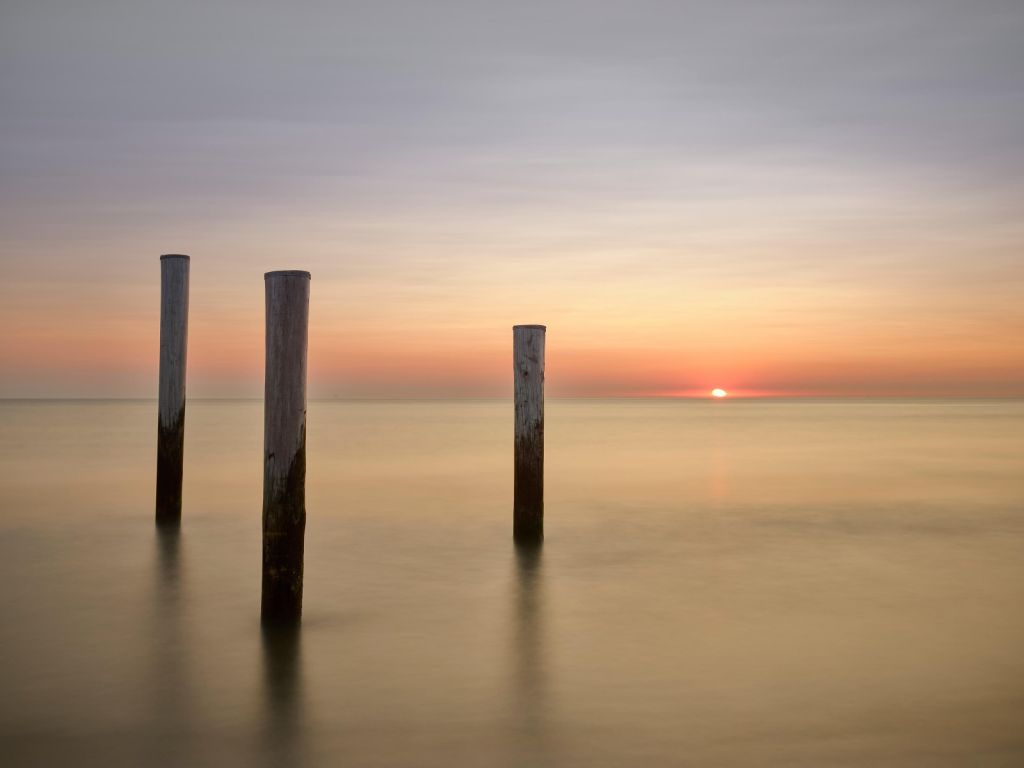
x=170 y=442
x=284 y=446
x=528 y=367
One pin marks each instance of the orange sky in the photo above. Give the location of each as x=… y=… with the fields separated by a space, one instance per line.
x=616 y=326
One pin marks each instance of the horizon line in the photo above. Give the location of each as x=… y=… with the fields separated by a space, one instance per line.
x=452 y=398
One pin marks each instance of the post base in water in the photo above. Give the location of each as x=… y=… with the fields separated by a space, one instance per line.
x=168 y=518
x=282 y=605
x=529 y=530
x=168 y=523
x=169 y=469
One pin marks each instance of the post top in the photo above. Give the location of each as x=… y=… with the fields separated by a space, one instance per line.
x=287 y=273
x=174 y=256
x=542 y=327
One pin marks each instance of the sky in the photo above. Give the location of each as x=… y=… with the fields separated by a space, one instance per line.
x=771 y=196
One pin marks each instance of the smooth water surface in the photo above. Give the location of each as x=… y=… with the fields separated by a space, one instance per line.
x=722 y=584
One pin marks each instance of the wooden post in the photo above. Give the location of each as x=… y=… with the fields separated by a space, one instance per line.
x=284 y=446
x=170 y=442
x=528 y=367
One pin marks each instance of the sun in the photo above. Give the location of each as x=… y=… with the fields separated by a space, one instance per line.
x=718 y=393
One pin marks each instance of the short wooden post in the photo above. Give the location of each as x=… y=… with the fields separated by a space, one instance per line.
x=171 y=421
x=284 y=445
x=528 y=367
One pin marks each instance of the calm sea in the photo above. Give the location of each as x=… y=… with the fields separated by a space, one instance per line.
x=735 y=583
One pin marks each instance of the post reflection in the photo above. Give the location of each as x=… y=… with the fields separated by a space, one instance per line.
x=170 y=673
x=529 y=700
x=282 y=680
x=168 y=543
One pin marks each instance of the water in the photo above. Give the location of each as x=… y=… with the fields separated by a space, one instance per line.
x=723 y=584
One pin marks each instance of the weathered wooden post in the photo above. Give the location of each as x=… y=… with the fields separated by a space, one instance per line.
x=284 y=445
x=170 y=443
x=528 y=367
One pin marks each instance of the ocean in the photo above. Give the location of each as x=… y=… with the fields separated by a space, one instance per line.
x=735 y=583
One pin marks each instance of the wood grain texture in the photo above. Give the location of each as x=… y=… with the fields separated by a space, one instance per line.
x=528 y=374
x=170 y=453
x=284 y=446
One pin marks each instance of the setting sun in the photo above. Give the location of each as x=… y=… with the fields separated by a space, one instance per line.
x=718 y=393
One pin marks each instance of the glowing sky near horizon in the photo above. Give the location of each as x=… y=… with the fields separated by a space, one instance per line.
x=767 y=197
